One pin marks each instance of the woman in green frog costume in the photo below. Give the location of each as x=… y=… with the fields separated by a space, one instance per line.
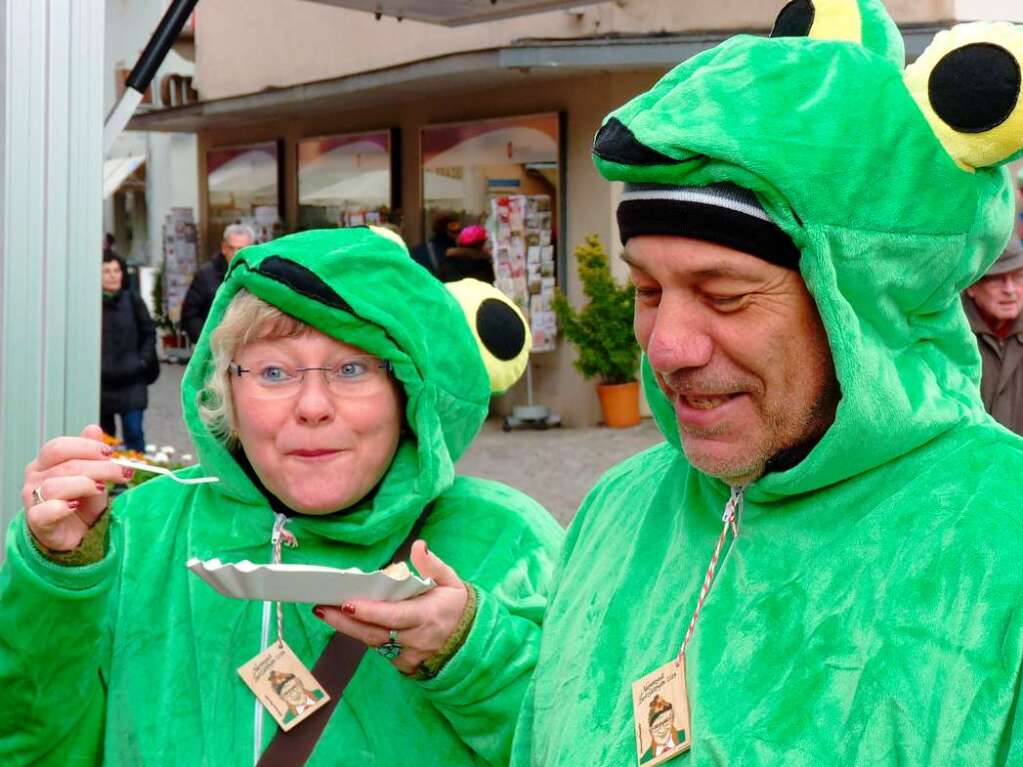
x=334 y=386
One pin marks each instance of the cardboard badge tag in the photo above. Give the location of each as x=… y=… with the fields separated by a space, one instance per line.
x=283 y=685
x=660 y=709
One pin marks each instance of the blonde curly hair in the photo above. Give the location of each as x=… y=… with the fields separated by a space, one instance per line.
x=247 y=319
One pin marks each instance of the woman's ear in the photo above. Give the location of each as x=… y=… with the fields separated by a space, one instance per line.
x=969 y=83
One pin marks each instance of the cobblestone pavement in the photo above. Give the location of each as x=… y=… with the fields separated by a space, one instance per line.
x=557 y=467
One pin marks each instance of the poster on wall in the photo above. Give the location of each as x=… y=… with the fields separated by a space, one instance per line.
x=345 y=180
x=523 y=265
x=502 y=173
x=180 y=259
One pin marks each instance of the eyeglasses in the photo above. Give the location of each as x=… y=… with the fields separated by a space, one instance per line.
x=356 y=376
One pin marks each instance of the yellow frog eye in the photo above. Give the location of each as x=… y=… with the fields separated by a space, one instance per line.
x=969 y=83
x=500 y=330
x=821 y=20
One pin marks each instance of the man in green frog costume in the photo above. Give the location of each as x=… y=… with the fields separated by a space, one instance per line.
x=868 y=606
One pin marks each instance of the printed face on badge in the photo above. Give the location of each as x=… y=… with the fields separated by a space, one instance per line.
x=661 y=728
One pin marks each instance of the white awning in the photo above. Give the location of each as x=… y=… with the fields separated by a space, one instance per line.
x=117 y=169
x=454 y=13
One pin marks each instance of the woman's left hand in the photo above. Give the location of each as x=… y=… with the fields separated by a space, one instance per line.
x=423 y=623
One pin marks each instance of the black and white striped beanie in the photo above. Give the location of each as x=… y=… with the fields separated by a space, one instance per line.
x=722 y=213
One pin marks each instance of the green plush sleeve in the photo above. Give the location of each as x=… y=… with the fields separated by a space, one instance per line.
x=522 y=744
x=1012 y=740
x=54 y=649
x=480 y=690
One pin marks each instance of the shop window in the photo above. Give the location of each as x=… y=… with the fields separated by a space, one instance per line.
x=346 y=180
x=243 y=189
x=502 y=174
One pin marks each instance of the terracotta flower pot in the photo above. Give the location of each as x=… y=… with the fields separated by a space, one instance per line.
x=619 y=404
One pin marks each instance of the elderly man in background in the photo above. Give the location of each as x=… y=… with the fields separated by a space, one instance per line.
x=993 y=305
x=199 y=298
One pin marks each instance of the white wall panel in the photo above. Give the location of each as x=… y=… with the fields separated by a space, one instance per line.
x=50 y=227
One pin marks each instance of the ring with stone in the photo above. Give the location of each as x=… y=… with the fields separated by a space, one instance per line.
x=391 y=649
x=37 y=495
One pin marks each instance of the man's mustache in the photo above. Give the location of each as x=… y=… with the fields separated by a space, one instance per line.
x=686 y=384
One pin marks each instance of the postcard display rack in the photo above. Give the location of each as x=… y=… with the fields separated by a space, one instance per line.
x=524 y=267
x=180 y=262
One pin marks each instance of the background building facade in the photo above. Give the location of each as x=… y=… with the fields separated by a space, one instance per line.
x=286 y=85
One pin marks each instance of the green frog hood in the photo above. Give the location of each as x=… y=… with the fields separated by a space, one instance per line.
x=889 y=181
x=360 y=286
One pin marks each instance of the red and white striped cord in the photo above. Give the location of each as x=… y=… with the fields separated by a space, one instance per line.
x=281 y=535
x=731 y=509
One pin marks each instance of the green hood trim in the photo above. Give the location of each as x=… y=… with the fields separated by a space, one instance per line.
x=891 y=228
x=361 y=287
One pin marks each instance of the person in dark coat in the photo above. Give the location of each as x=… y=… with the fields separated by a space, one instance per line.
x=430 y=254
x=199 y=297
x=994 y=307
x=131 y=272
x=129 y=362
x=469 y=258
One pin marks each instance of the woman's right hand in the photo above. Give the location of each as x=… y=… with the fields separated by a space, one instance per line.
x=71 y=474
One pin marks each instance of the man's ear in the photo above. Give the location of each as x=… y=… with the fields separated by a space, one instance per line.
x=969 y=85
x=971 y=291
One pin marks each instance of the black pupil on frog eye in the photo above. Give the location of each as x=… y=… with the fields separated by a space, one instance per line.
x=975 y=88
x=795 y=19
x=500 y=329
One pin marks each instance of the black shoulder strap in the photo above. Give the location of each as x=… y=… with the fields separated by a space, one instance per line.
x=334 y=670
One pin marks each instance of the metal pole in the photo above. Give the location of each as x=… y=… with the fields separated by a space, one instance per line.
x=142 y=73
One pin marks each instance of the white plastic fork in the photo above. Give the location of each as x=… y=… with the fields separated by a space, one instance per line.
x=130 y=464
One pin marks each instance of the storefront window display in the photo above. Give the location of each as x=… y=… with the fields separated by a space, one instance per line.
x=345 y=180
x=503 y=173
x=243 y=188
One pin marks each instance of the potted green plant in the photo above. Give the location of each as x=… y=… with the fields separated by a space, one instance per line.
x=169 y=330
x=602 y=333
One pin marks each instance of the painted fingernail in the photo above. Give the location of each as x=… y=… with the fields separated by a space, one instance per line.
x=107 y=450
x=73 y=504
x=348 y=608
x=101 y=486
x=128 y=473
x=319 y=613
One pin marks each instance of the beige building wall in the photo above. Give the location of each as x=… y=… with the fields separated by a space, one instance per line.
x=989 y=10
x=246 y=46
x=289 y=42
